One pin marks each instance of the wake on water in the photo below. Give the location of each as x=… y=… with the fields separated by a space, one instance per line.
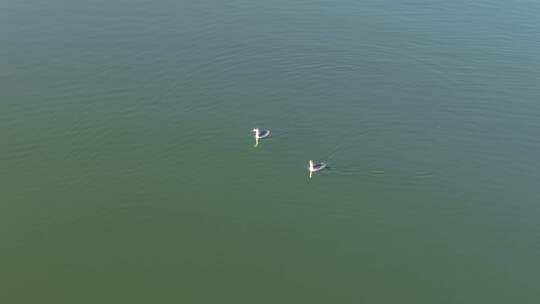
x=342 y=167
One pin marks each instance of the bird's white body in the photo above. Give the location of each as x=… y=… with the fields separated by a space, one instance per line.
x=260 y=134
x=313 y=167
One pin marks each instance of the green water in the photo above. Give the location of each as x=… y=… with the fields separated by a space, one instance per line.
x=128 y=172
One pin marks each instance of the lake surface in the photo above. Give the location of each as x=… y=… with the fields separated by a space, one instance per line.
x=128 y=172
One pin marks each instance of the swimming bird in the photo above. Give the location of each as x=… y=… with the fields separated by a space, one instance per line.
x=313 y=167
x=260 y=134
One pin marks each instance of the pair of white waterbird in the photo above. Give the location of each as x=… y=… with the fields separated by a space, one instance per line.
x=313 y=166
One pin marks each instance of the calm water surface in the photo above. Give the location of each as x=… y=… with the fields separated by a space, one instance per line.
x=128 y=174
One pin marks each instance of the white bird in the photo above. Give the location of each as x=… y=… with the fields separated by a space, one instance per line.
x=313 y=167
x=260 y=134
